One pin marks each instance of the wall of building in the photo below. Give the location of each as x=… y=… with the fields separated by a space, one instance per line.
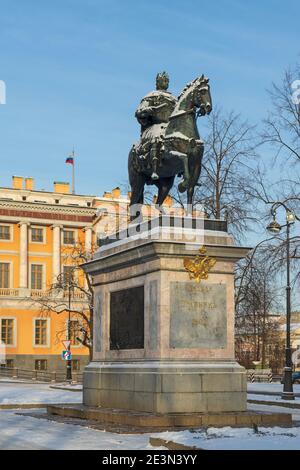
x=23 y=208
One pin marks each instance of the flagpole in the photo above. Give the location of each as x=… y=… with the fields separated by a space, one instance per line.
x=71 y=160
x=73 y=174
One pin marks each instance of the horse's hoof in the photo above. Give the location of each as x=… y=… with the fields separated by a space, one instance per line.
x=154 y=176
x=182 y=187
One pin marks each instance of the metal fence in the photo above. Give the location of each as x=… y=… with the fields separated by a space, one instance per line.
x=39 y=375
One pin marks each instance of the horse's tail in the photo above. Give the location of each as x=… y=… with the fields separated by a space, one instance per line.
x=132 y=164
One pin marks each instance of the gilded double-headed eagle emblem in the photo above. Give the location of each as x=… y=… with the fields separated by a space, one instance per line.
x=199 y=267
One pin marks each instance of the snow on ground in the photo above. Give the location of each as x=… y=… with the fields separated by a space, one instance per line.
x=228 y=438
x=21 y=393
x=22 y=431
x=273 y=398
x=269 y=387
x=45 y=434
x=25 y=432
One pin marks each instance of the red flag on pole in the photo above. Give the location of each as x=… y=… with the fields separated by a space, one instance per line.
x=70 y=159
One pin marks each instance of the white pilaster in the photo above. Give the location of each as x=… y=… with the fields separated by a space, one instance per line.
x=56 y=251
x=23 y=282
x=88 y=239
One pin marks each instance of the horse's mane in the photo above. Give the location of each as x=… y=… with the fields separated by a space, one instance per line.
x=189 y=85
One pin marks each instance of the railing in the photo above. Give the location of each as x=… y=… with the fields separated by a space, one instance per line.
x=38 y=294
x=39 y=375
x=75 y=295
x=9 y=292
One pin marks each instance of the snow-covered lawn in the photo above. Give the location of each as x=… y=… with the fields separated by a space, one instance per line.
x=21 y=393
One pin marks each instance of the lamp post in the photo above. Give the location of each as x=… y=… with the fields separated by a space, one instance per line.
x=66 y=284
x=69 y=361
x=275 y=227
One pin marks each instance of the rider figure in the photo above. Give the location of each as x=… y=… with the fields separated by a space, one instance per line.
x=153 y=114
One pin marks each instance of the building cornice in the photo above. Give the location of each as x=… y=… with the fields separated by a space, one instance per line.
x=18 y=210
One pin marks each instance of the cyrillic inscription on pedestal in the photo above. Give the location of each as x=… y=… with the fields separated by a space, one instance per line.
x=127 y=318
x=198 y=315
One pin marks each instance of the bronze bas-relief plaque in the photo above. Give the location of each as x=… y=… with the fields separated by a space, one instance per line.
x=127 y=319
x=198 y=315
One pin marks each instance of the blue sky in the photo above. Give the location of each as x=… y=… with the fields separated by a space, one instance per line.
x=75 y=71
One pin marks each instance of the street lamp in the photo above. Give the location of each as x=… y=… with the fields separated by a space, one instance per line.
x=69 y=361
x=275 y=227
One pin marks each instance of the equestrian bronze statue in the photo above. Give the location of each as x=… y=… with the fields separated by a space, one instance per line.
x=170 y=144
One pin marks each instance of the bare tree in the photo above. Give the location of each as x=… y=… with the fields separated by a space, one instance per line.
x=282 y=127
x=229 y=160
x=72 y=292
x=282 y=132
x=257 y=328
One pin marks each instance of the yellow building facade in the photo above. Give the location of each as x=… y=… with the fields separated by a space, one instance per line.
x=37 y=230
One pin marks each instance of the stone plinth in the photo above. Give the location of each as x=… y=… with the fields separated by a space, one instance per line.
x=137 y=421
x=162 y=342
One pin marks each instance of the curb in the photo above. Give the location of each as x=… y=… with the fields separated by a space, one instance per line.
x=267 y=392
x=66 y=388
x=289 y=404
x=32 y=382
x=28 y=406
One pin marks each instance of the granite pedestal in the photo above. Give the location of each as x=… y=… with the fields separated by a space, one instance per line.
x=163 y=348
x=164 y=343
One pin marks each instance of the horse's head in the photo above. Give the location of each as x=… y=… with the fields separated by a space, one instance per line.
x=202 y=98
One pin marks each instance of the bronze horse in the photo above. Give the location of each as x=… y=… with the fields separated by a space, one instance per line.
x=178 y=148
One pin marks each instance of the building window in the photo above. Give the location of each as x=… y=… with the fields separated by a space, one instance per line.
x=37 y=276
x=7 y=331
x=69 y=237
x=40 y=364
x=37 y=234
x=75 y=365
x=74 y=332
x=4 y=232
x=40 y=332
x=4 y=275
